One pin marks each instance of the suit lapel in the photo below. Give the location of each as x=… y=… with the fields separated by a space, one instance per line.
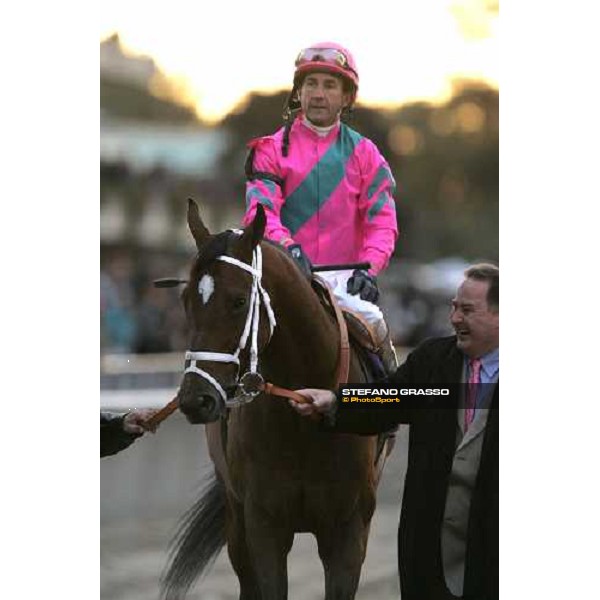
x=477 y=427
x=451 y=370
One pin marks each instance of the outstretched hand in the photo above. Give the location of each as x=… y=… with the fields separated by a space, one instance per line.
x=320 y=402
x=134 y=421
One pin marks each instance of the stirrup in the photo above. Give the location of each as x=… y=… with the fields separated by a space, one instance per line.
x=387 y=353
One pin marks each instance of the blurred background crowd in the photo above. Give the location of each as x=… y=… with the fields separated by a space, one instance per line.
x=156 y=152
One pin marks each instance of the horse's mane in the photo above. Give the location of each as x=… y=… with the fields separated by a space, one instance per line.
x=284 y=251
x=214 y=247
x=220 y=243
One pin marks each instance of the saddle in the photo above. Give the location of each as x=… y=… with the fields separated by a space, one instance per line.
x=364 y=341
x=361 y=334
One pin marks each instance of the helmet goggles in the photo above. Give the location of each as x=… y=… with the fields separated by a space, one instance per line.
x=330 y=56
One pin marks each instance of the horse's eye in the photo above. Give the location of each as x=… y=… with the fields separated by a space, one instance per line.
x=239 y=302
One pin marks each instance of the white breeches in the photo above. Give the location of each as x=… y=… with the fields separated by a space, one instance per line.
x=372 y=314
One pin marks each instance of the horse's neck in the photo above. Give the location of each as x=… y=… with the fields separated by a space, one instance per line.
x=304 y=348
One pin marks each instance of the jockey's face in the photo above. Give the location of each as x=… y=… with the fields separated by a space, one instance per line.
x=322 y=98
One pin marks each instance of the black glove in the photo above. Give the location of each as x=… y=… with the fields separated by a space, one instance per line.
x=364 y=284
x=301 y=259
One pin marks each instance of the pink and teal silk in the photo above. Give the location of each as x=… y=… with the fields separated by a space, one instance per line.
x=337 y=200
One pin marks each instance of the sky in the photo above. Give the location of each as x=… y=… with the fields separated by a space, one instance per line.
x=405 y=50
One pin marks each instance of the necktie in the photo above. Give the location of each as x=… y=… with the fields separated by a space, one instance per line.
x=471 y=395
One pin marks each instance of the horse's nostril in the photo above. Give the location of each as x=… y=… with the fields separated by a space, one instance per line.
x=208 y=403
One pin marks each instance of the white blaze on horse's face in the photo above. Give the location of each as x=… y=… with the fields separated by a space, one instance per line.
x=206 y=287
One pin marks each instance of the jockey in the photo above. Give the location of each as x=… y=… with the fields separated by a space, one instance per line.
x=327 y=191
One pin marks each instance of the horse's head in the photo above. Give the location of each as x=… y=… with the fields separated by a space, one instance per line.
x=222 y=302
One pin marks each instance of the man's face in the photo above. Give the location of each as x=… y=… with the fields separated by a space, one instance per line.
x=475 y=323
x=322 y=98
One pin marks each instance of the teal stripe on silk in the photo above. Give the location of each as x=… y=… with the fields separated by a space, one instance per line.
x=270 y=185
x=383 y=173
x=321 y=181
x=383 y=199
x=260 y=198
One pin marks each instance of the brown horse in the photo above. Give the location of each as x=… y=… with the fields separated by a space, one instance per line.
x=251 y=310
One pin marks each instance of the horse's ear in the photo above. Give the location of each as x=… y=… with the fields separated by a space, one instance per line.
x=254 y=232
x=197 y=227
x=258 y=225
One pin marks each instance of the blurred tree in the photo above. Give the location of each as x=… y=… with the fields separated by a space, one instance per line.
x=121 y=99
x=444 y=158
x=256 y=115
x=133 y=87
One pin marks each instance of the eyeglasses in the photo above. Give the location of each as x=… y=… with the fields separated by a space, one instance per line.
x=326 y=55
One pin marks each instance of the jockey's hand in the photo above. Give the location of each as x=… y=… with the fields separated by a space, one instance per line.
x=364 y=284
x=320 y=402
x=301 y=259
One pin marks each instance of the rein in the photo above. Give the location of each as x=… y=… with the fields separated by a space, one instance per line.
x=251 y=384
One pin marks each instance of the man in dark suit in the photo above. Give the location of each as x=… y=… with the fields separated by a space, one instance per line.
x=448 y=534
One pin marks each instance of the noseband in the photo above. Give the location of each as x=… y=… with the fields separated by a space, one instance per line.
x=251 y=383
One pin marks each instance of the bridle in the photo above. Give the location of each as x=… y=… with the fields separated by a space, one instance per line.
x=251 y=383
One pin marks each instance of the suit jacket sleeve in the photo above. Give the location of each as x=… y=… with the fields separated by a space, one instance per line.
x=370 y=421
x=113 y=438
x=434 y=362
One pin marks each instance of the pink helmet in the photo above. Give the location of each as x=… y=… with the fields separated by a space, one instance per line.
x=329 y=57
